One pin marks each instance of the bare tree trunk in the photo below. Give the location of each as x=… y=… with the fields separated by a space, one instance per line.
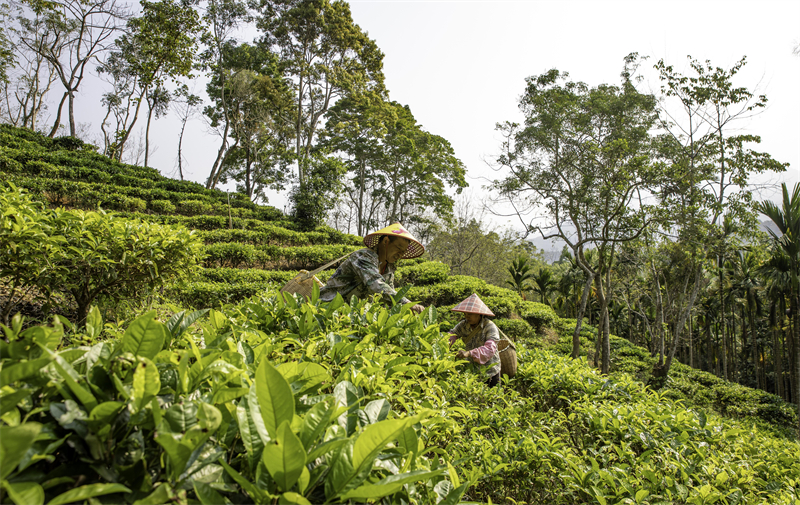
x=691 y=344
x=684 y=316
x=180 y=145
x=576 y=335
x=72 y=128
x=147 y=134
x=217 y=167
x=57 y=122
x=722 y=312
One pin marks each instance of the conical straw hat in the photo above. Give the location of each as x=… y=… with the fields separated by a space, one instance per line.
x=473 y=305
x=415 y=248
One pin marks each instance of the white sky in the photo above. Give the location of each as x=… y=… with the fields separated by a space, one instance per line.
x=460 y=65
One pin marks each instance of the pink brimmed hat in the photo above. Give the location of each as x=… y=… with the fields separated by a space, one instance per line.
x=415 y=247
x=473 y=305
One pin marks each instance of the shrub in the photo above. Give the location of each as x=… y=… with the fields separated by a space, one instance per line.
x=537 y=315
x=162 y=206
x=231 y=255
x=202 y=295
x=194 y=207
x=516 y=329
x=28 y=239
x=72 y=144
x=422 y=274
x=93 y=253
x=120 y=258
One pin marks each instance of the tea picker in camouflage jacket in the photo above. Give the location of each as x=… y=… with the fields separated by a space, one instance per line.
x=371 y=270
x=480 y=336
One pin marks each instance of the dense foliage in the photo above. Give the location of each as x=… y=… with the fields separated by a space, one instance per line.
x=271 y=399
x=87 y=254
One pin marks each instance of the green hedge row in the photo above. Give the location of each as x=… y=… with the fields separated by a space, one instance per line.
x=266 y=235
x=244 y=275
x=59 y=166
x=421 y=274
x=235 y=255
x=695 y=388
x=537 y=314
x=275 y=231
x=208 y=223
x=30 y=153
x=218 y=286
x=18 y=151
x=201 y=295
x=503 y=302
x=109 y=196
x=516 y=329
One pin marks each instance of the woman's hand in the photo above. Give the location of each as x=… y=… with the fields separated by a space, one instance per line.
x=462 y=355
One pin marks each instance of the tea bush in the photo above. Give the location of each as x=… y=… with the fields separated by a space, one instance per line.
x=538 y=315
x=162 y=206
x=693 y=387
x=516 y=329
x=271 y=400
x=421 y=274
x=88 y=254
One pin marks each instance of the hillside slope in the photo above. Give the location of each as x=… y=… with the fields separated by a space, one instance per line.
x=198 y=426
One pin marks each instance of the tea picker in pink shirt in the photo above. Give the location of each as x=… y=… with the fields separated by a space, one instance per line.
x=480 y=336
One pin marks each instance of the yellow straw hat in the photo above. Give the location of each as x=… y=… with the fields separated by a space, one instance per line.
x=415 y=247
x=473 y=305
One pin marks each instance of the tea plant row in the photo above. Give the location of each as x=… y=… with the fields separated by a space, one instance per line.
x=271 y=399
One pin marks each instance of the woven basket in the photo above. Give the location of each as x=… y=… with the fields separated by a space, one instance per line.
x=508 y=357
x=302 y=284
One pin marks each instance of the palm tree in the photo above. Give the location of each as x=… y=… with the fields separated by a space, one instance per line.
x=776 y=272
x=520 y=273
x=747 y=284
x=544 y=284
x=787 y=220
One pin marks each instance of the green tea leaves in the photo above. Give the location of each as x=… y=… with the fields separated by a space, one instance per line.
x=144 y=337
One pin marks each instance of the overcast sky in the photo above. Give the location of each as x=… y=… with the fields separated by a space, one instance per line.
x=460 y=65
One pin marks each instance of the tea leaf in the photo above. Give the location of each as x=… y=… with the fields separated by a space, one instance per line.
x=86 y=492
x=285 y=457
x=275 y=397
x=14 y=443
x=25 y=493
x=144 y=337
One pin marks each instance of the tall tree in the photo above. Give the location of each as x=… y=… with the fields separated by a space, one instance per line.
x=543 y=284
x=521 y=275
x=77 y=33
x=259 y=103
x=415 y=169
x=708 y=166
x=26 y=77
x=356 y=127
x=582 y=159
x=221 y=18
x=160 y=44
x=787 y=220
x=397 y=171
x=6 y=47
x=186 y=105
x=327 y=56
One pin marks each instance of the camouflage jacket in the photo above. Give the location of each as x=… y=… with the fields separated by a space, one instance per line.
x=360 y=275
x=488 y=332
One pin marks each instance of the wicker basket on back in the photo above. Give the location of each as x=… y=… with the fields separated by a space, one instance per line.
x=508 y=356
x=303 y=283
